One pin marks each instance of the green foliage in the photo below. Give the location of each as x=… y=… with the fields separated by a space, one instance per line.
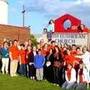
x=22 y=83
x=33 y=39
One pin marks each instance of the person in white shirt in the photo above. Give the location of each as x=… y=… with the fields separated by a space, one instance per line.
x=86 y=61
x=82 y=78
x=70 y=75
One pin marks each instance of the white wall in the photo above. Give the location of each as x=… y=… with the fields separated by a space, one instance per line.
x=3 y=12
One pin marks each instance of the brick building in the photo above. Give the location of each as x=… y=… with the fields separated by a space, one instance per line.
x=14 y=32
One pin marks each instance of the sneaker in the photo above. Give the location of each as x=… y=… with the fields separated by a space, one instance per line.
x=12 y=75
x=54 y=84
x=31 y=78
x=57 y=84
x=15 y=75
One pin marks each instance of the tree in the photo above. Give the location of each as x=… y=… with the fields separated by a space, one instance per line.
x=33 y=39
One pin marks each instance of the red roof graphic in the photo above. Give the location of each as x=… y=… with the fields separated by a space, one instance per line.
x=75 y=22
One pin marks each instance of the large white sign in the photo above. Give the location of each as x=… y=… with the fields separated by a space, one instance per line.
x=71 y=38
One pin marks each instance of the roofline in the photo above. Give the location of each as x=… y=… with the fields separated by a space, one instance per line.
x=13 y=26
x=69 y=15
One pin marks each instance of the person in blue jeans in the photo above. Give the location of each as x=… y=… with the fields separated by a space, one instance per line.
x=23 y=61
x=39 y=61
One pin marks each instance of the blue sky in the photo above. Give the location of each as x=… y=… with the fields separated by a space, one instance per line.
x=39 y=12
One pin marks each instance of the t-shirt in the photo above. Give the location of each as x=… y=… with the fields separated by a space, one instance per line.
x=14 y=52
x=22 y=54
x=70 y=59
x=50 y=27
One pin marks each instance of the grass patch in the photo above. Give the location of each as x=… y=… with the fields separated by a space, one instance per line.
x=22 y=83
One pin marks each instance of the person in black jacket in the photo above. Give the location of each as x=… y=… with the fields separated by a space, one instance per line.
x=49 y=65
x=57 y=65
x=30 y=57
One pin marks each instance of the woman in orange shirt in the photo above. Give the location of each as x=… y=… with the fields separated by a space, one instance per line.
x=23 y=61
x=69 y=58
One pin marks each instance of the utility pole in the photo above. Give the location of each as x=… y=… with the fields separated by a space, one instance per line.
x=23 y=14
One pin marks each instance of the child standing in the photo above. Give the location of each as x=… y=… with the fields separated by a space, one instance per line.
x=39 y=63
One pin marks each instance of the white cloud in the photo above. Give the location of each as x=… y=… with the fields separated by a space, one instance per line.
x=56 y=8
x=87 y=1
x=50 y=8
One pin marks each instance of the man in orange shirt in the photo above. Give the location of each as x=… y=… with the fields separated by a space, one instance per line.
x=14 y=58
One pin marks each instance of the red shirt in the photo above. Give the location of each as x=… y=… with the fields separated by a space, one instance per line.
x=73 y=52
x=70 y=59
x=14 y=52
x=22 y=54
x=44 y=52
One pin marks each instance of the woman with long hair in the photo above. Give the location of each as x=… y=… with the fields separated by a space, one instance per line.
x=57 y=65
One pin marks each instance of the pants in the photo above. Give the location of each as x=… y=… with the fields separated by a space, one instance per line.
x=13 y=67
x=86 y=72
x=39 y=74
x=23 y=69
x=56 y=75
x=81 y=86
x=5 y=64
x=49 y=35
x=68 y=85
x=49 y=73
x=31 y=71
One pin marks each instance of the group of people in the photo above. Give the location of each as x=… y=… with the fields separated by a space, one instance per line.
x=64 y=65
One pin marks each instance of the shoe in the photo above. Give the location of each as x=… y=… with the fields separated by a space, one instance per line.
x=12 y=75
x=87 y=86
x=15 y=75
x=54 y=84
x=31 y=78
x=57 y=85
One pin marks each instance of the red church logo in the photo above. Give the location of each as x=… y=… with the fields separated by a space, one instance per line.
x=74 y=24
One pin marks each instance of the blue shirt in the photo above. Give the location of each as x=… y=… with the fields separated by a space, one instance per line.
x=39 y=61
x=4 y=53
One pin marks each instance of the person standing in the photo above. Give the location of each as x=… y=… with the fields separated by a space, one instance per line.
x=39 y=64
x=14 y=58
x=49 y=65
x=86 y=61
x=50 y=29
x=5 y=58
x=30 y=58
x=23 y=61
x=57 y=65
